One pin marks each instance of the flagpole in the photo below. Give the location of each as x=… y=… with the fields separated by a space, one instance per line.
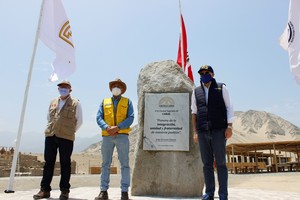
x=181 y=38
x=16 y=151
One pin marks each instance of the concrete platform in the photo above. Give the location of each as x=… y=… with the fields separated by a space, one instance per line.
x=276 y=186
x=89 y=193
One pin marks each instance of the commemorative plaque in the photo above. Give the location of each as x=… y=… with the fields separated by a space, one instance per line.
x=166 y=122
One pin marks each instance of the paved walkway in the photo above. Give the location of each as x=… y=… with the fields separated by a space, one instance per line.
x=89 y=193
x=277 y=186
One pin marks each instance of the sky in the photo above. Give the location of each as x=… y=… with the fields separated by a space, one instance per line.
x=116 y=39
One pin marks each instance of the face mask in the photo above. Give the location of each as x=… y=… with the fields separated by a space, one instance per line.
x=206 y=78
x=116 y=91
x=63 y=92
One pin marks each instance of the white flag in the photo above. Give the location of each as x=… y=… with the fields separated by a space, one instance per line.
x=55 y=32
x=290 y=39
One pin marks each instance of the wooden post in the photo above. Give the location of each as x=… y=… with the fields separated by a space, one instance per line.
x=275 y=158
x=233 y=165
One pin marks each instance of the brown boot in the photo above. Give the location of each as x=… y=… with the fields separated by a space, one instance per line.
x=64 y=195
x=42 y=194
x=102 y=196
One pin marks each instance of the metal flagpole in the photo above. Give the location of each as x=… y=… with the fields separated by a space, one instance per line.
x=16 y=152
x=181 y=38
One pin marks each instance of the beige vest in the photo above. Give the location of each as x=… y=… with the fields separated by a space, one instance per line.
x=62 y=123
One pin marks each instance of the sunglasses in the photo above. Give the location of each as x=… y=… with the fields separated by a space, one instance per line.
x=203 y=73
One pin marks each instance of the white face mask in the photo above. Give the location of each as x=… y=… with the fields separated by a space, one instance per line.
x=116 y=91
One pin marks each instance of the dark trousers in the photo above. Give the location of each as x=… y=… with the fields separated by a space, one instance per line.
x=213 y=147
x=65 y=149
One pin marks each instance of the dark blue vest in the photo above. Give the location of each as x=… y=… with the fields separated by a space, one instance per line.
x=213 y=115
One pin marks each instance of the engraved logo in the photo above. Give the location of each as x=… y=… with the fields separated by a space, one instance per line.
x=65 y=33
x=166 y=102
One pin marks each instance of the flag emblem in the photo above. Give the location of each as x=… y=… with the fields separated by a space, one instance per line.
x=290 y=38
x=65 y=33
x=291 y=32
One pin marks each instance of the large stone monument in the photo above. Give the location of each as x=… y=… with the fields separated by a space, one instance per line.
x=167 y=161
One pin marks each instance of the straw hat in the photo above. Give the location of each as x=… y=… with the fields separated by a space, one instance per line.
x=119 y=82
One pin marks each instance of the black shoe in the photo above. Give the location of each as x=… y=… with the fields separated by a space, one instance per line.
x=124 y=196
x=64 y=195
x=102 y=196
x=42 y=194
x=207 y=197
x=223 y=198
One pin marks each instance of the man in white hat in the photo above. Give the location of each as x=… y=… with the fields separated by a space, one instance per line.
x=64 y=119
x=114 y=117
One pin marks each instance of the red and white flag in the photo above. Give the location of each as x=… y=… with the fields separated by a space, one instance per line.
x=290 y=39
x=182 y=56
x=188 y=69
x=55 y=33
x=182 y=43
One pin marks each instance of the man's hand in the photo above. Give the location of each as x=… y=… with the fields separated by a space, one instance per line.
x=228 y=133
x=195 y=137
x=112 y=130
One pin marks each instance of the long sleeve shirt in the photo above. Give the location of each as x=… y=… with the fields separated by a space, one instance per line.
x=124 y=124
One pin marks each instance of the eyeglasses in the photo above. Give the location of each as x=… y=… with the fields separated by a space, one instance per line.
x=203 y=73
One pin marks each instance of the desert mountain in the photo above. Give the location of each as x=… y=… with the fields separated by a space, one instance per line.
x=260 y=126
x=249 y=127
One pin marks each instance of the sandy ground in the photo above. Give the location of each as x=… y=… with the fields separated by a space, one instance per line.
x=261 y=186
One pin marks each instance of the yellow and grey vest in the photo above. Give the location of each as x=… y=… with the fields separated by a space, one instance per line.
x=114 y=117
x=62 y=123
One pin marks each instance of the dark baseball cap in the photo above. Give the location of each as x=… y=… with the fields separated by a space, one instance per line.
x=206 y=67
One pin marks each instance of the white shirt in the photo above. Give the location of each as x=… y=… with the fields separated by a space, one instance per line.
x=227 y=101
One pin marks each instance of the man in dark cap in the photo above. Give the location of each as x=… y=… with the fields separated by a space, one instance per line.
x=114 y=117
x=212 y=118
x=64 y=119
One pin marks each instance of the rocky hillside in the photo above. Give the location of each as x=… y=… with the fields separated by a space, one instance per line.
x=260 y=126
x=248 y=127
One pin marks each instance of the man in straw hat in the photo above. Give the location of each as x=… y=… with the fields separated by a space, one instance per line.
x=114 y=117
x=64 y=119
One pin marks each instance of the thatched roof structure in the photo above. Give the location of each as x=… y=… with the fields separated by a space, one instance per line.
x=259 y=149
x=287 y=146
